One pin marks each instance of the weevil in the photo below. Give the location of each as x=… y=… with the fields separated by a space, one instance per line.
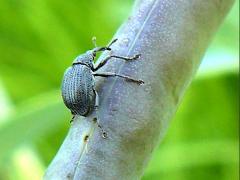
x=78 y=85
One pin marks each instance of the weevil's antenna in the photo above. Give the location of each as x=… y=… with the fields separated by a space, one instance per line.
x=94 y=39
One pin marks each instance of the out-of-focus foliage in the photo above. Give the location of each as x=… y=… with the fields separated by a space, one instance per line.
x=40 y=38
x=203 y=139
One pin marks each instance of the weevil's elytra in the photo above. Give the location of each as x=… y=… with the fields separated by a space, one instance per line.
x=78 y=85
x=77 y=90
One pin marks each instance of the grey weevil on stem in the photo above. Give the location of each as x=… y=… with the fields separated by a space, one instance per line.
x=78 y=85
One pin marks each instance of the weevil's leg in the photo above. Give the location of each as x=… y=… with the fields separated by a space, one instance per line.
x=104 y=48
x=127 y=58
x=73 y=116
x=104 y=134
x=109 y=74
x=111 y=43
x=104 y=61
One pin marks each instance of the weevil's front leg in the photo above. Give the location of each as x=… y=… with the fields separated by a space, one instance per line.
x=109 y=74
x=104 y=134
x=104 y=61
x=105 y=48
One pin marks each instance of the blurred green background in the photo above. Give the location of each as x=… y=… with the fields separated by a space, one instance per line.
x=40 y=38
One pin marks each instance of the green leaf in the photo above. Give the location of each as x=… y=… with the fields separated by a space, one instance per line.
x=38 y=117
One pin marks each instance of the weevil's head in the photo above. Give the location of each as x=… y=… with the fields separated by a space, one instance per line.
x=85 y=59
x=88 y=57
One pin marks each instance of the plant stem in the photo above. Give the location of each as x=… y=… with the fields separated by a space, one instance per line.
x=171 y=37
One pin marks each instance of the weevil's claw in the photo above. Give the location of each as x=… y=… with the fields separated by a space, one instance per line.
x=140 y=82
x=104 y=134
x=137 y=56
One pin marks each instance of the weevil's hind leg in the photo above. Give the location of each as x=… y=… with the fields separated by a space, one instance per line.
x=104 y=134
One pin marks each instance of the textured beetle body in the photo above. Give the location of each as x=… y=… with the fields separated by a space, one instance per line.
x=78 y=92
x=78 y=89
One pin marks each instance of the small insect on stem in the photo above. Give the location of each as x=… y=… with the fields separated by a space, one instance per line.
x=78 y=90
